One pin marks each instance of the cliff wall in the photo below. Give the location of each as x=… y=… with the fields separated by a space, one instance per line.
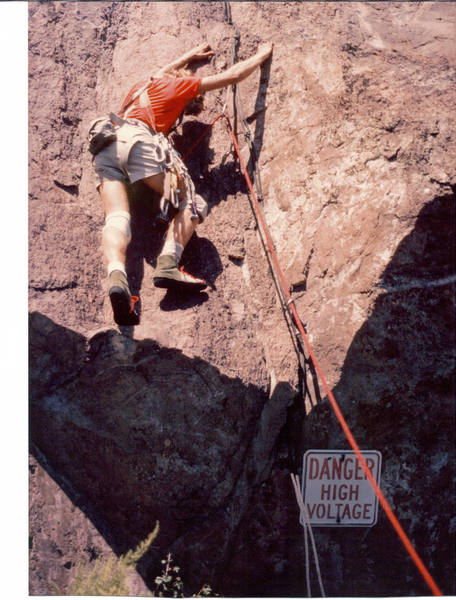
x=196 y=417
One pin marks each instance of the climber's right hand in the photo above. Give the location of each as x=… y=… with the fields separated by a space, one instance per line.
x=265 y=50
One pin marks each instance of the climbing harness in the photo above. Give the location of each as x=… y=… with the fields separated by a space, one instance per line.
x=302 y=342
x=177 y=183
x=177 y=179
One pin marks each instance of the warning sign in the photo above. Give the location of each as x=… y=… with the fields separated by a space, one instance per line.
x=336 y=491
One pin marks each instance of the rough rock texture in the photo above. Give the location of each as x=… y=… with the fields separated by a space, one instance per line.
x=62 y=534
x=195 y=417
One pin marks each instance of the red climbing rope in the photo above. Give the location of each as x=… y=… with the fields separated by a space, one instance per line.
x=290 y=303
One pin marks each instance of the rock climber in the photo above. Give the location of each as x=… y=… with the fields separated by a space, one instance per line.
x=141 y=151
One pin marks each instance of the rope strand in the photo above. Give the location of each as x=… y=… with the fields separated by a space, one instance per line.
x=307 y=526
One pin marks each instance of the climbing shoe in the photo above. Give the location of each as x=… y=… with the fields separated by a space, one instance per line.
x=122 y=302
x=169 y=276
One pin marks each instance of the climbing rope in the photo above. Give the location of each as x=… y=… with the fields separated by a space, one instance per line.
x=303 y=336
x=307 y=532
x=238 y=108
x=343 y=423
x=238 y=111
x=289 y=306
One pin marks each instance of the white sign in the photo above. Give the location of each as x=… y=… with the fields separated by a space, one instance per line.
x=336 y=491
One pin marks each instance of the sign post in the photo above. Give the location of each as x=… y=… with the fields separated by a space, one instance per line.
x=336 y=491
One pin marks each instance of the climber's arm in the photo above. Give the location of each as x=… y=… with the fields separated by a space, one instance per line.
x=237 y=72
x=197 y=53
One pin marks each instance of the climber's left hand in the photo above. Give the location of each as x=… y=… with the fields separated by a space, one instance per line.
x=202 y=51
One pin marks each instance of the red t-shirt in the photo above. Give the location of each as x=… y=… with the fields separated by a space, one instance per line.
x=168 y=97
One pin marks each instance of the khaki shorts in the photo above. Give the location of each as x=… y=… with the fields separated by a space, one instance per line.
x=138 y=152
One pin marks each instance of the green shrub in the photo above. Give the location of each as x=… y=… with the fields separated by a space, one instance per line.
x=170 y=585
x=108 y=577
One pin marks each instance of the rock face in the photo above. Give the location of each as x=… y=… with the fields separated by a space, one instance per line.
x=197 y=416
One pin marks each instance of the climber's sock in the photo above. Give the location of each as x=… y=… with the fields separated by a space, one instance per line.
x=172 y=248
x=117 y=265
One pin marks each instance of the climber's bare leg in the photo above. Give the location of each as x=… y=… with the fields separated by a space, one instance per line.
x=182 y=226
x=114 y=242
x=178 y=235
x=116 y=236
x=155 y=182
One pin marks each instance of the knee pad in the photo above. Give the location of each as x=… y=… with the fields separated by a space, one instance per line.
x=119 y=219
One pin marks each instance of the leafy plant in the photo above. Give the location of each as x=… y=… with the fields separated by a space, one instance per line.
x=169 y=583
x=109 y=577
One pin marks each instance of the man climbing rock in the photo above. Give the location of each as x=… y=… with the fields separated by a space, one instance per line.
x=140 y=151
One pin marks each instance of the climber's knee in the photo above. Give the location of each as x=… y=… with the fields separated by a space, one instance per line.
x=120 y=220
